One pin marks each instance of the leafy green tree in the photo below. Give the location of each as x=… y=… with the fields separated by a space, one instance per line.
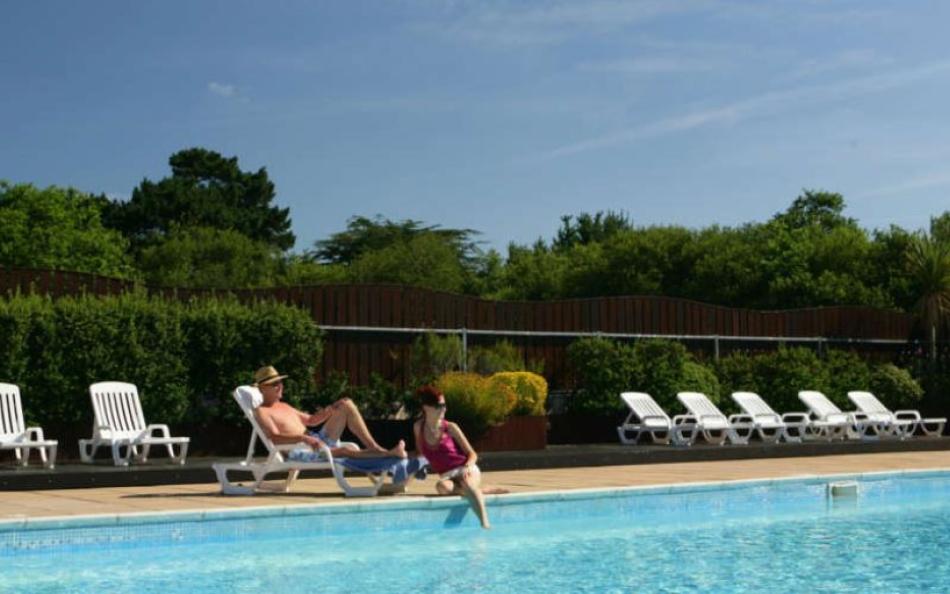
x=426 y=260
x=586 y=228
x=815 y=208
x=210 y=258
x=364 y=235
x=534 y=273
x=205 y=190
x=57 y=228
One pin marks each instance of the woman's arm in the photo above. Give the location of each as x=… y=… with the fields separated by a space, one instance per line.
x=417 y=435
x=456 y=432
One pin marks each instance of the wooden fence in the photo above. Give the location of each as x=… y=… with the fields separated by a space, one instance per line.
x=359 y=353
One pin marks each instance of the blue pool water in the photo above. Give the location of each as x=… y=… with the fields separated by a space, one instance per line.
x=746 y=537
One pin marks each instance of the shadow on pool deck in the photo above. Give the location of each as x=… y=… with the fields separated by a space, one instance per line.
x=198 y=470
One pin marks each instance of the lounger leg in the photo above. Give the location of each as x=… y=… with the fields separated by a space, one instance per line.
x=182 y=452
x=932 y=429
x=622 y=433
x=117 y=457
x=143 y=456
x=50 y=461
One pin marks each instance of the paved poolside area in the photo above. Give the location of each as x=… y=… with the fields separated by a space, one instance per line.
x=118 y=500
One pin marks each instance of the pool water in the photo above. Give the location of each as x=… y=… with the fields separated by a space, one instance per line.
x=785 y=536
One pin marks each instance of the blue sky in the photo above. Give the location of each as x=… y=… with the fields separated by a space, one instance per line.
x=499 y=116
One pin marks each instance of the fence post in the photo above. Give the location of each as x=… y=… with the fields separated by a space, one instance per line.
x=716 y=348
x=464 y=364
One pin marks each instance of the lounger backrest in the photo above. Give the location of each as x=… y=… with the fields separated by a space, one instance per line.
x=818 y=403
x=11 y=411
x=249 y=398
x=752 y=404
x=643 y=405
x=867 y=402
x=699 y=404
x=117 y=409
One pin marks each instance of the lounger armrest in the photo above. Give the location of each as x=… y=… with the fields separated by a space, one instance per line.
x=684 y=420
x=657 y=417
x=34 y=434
x=740 y=418
x=796 y=417
x=907 y=415
x=859 y=417
x=163 y=429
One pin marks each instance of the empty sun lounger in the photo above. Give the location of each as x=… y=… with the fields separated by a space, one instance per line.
x=249 y=398
x=14 y=435
x=646 y=417
x=901 y=423
x=837 y=423
x=120 y=424
x=771 y=427
x=715 y=426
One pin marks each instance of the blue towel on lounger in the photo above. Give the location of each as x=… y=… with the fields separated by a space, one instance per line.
x=400 y=468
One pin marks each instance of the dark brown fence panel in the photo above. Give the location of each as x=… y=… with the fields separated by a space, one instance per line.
x=360 y=354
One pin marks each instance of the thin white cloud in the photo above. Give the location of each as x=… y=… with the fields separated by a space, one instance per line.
x=757 y=106
x=517 y=24
x=653 y=65
x=222 y=89
x=922 y=182
x=857 y=59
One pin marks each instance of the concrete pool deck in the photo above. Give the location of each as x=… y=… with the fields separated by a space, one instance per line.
x=205 y=496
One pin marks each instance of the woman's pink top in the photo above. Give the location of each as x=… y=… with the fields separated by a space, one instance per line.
x=445 y=455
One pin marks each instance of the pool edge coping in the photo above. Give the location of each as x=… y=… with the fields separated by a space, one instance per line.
x=432 y=502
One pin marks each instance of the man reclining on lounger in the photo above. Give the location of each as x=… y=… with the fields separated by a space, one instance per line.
x=285 y=424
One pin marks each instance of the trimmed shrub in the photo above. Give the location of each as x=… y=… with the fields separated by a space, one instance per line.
x=783 y=373
x=661 y=371
x=475 y=402
x=501 y=356
x=530 y=389
x=603 y=369
x=846 y=371
x=185 y=358
x=895 y=387
x=433 y=355
x=737 y=373
x=696 y=377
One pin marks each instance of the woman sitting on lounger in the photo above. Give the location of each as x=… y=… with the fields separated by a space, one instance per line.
x=449 y=453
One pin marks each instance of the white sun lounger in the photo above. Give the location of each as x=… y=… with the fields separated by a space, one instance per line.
x=715 y=426
x=838 y=423
x=14 y=435
x=249 y=398
x=771 y=427
x=901 y=423
x=647 y=417
x=120 y=424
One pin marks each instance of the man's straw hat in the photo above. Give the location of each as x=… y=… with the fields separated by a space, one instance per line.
x=267 y=375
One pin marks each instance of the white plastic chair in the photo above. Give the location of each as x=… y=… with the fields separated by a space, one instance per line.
x=836 y=422
x=120 y=424
x=14 y=435
x=771 y=427
x=715 y=426
x=249 y=398
x=901 y=423
x=653 y=421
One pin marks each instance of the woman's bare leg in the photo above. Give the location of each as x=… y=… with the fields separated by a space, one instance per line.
x=476 y=499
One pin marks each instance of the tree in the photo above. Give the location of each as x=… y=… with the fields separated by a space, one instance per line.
x=58 y=228
x=204 y=190
x=204 y=257
x=816 y=208
x=364 y=235
x=589 y=229
x=426 y=260
x=929 y=263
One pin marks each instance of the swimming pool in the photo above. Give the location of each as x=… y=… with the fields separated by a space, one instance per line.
x=735 y=537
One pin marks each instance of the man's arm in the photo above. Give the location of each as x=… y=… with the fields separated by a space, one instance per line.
x=273 y=431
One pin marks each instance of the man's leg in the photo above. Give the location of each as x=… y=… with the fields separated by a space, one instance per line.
x=347 y=416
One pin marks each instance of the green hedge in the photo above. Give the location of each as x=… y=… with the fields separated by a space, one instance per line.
x=185 y=358
x=605 y=368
